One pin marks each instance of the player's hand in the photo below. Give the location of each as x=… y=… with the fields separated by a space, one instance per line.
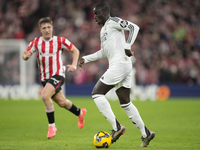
x=129 y=52
x=71 y=68
x=81 y=63
x=27 y=54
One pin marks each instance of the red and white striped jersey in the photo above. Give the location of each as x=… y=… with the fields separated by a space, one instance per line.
x=49 y=55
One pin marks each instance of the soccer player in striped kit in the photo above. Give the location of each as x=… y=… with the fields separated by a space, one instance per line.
x=52 y=71
x=117 y=49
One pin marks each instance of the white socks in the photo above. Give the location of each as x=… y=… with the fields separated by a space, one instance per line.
x=134 y=116
x=132 y=112
x=105 y=108
x=52 y=124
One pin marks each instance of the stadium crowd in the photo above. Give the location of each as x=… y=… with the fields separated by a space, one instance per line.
x=167 y=48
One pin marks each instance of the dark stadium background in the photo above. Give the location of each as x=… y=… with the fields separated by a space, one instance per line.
x=167 y=49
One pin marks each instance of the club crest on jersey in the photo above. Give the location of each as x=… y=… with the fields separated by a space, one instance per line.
x=54 y=44
x=123 y=23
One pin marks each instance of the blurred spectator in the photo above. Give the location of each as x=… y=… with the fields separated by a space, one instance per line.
x=167 y=48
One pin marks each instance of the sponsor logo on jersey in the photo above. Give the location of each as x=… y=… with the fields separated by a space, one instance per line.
x=47 y=54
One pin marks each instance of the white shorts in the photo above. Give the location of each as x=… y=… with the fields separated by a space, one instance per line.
x=118 y=74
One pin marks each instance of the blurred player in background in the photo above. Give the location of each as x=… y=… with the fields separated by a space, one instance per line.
x=52 y=71
x=117 y=49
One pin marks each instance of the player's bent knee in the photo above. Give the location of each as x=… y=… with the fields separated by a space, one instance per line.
x=44 y=96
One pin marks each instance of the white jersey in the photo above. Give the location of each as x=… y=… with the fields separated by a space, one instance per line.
x=113 y=43
x=49 y=55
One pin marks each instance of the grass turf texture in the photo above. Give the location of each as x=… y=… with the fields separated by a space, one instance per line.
x=23 y=125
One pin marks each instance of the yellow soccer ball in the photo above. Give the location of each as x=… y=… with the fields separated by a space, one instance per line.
x=102 y=139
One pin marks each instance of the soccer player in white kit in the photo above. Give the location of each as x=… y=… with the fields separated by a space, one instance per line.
x=117 y=49
x=52 y=71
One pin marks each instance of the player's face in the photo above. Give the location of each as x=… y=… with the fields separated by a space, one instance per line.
x=99 y=16
x=47 y=30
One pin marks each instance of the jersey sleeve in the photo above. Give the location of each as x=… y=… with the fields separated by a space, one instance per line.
x=133 y=29
x=66 y=44
x=31 y=46
x=95 y=56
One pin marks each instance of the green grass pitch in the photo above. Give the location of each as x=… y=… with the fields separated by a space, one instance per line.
x=23 y=125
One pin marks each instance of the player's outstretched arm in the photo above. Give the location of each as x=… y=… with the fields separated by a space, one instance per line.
x=91 y=57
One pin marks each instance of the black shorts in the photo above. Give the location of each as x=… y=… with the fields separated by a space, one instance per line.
x=56 y=80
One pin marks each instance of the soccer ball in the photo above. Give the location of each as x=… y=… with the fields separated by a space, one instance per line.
x=102 y=139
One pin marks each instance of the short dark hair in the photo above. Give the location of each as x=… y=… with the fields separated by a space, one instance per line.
x=45 y=20
x=103 y=7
